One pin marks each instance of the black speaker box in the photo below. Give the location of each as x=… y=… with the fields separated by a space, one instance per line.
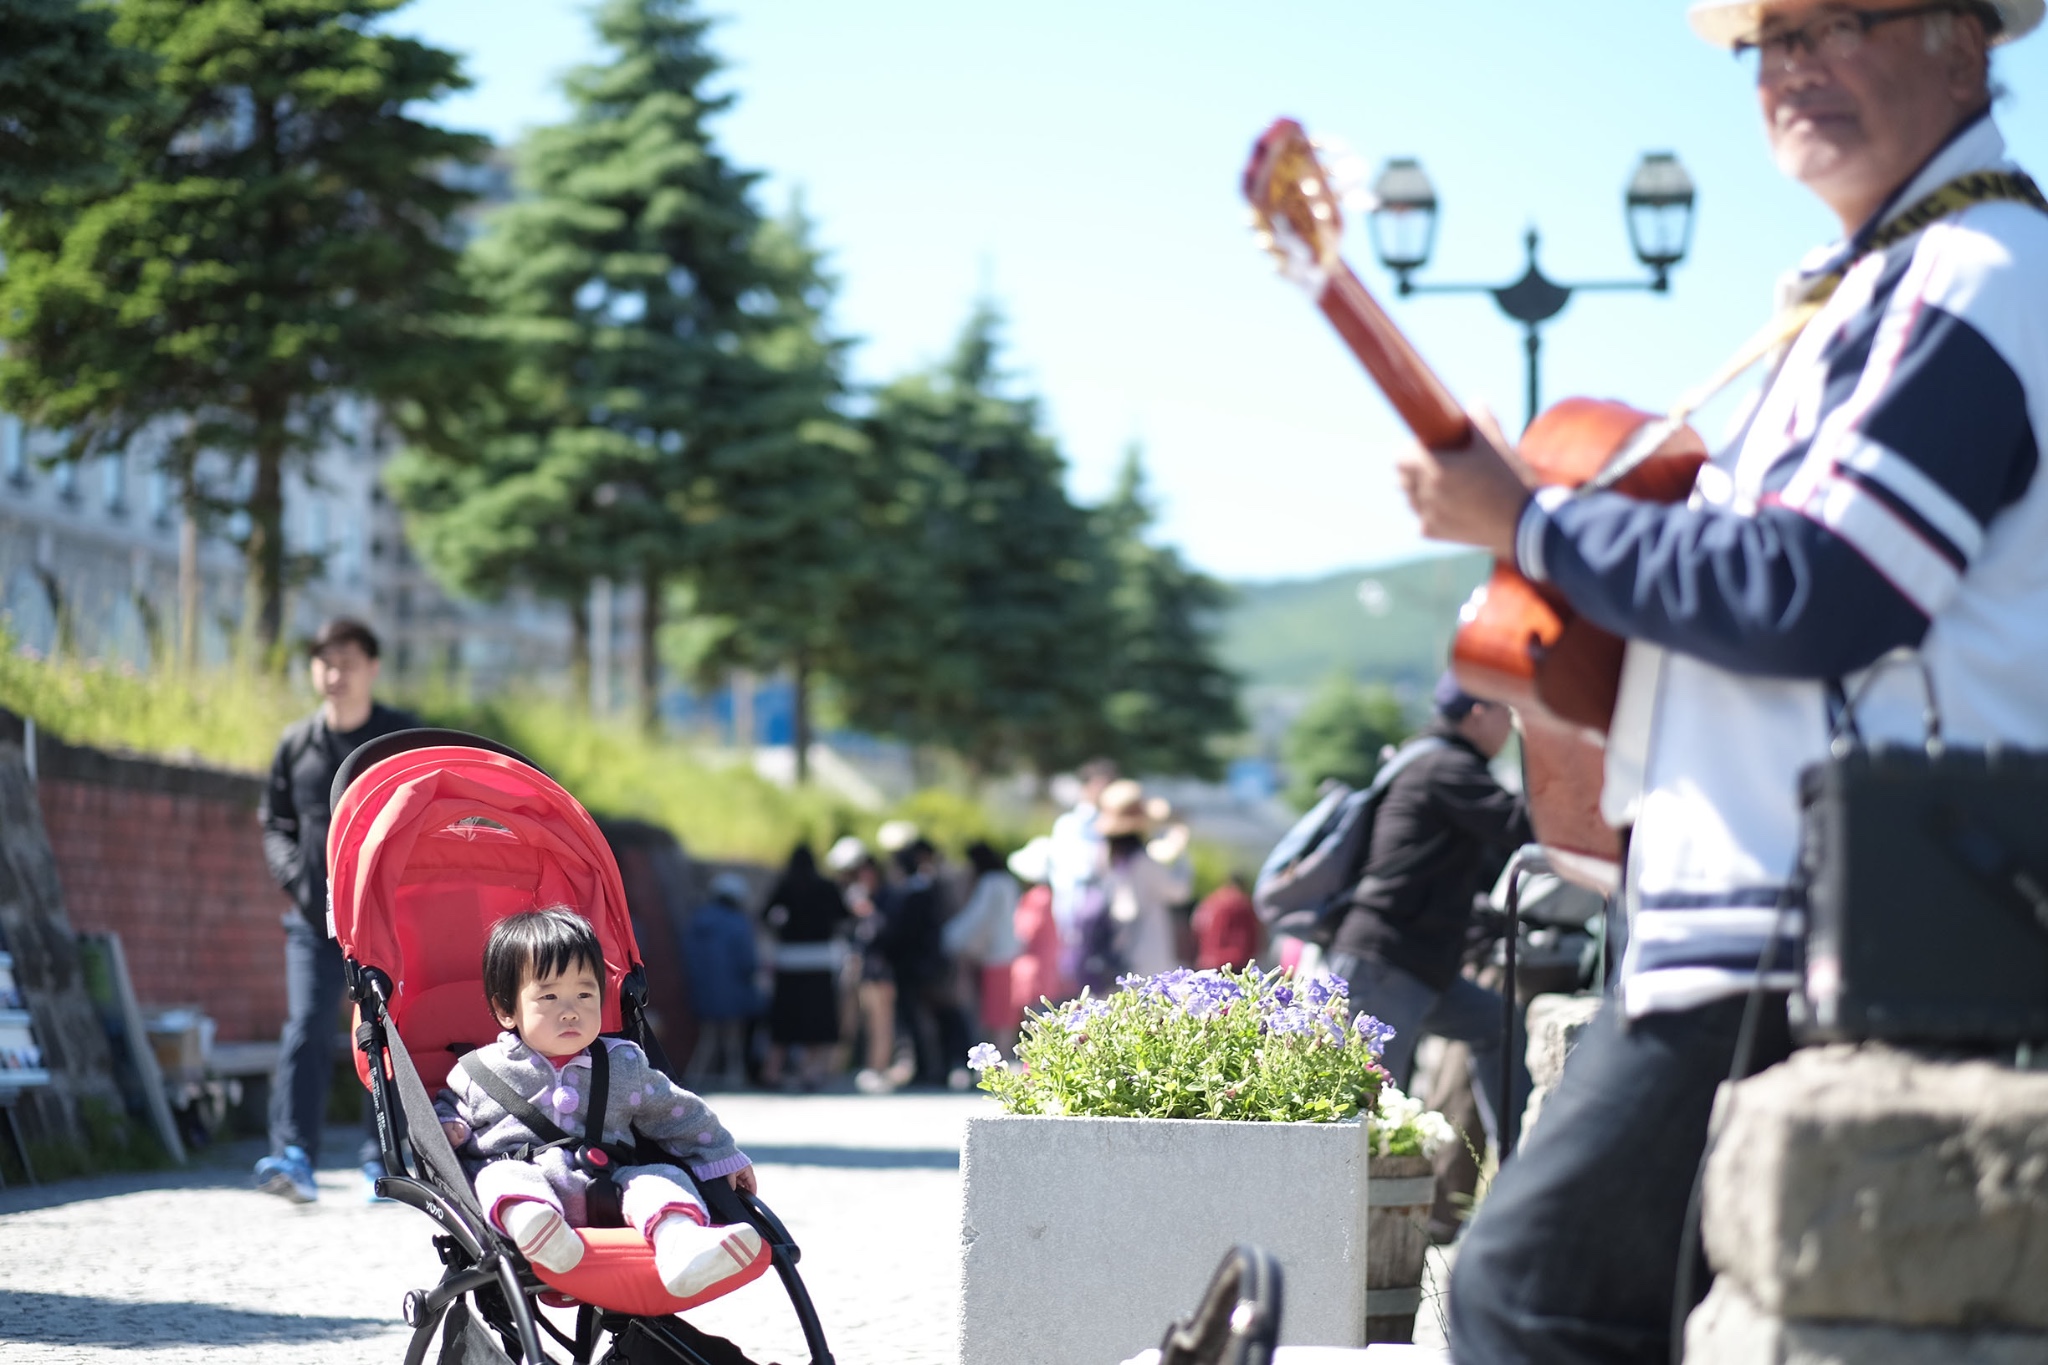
x=1927 y=896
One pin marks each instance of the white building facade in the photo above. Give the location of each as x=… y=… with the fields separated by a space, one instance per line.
x=90 y=568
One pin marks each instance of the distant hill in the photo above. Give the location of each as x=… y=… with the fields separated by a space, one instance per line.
x=1392 y=624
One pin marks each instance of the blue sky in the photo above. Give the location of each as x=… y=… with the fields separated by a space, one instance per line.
x=1080 y=161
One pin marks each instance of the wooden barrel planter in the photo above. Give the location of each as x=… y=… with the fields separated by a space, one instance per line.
x=1400 y=1191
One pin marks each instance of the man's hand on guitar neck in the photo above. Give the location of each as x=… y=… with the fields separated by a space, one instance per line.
x=1472 y=495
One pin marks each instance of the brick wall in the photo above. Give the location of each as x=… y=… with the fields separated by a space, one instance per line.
x=171 y=859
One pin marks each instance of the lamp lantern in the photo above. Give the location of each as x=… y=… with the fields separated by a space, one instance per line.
x=1659 y=202
x=1403 y=217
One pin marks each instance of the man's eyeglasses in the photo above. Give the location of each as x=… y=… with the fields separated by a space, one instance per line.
x=1831 y=37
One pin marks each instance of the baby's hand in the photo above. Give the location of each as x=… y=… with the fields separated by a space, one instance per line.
x=745 y=1181
x=457 y=1131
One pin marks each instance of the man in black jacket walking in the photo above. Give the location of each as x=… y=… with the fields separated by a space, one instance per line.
x=1442 y=824
x=295 y=816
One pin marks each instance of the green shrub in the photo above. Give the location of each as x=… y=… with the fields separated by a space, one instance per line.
x=1228 y=1044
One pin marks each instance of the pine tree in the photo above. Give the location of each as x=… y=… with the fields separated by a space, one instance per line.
x=649 y=407
x=275 y=246
x=63 y=82
x=773 y=571
x=980 y=623
x=1167 y=697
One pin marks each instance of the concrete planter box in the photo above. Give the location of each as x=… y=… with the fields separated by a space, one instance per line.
x=1083 y=1238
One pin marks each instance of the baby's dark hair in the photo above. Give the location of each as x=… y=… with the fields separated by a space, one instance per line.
x=537 y=944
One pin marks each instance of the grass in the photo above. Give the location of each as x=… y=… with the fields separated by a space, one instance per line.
x=721 y=811
x=231 y=718
x=225 y=718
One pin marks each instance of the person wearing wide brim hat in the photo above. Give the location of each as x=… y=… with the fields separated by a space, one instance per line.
x=1885 y=491
x=1143 y=887
x=1727 y=24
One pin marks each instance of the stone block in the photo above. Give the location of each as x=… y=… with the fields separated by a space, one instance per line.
x=1083 y=1238
x=1554 y=1025
x=1867 y=1184
x=1728 y=1329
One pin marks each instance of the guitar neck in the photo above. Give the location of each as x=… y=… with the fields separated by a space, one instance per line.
x=1403 y=376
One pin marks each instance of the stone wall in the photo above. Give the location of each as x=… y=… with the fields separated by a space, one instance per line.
x=1555 y=1023
x=1863 y=1204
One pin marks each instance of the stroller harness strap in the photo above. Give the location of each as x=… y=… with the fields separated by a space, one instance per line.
x=593 y=1157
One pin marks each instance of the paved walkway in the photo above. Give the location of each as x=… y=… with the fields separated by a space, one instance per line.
x=191 y=1266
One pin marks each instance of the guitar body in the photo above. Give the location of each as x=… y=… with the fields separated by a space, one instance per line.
x=1518 y=642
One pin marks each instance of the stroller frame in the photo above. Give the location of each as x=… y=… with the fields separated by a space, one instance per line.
x=483 y=1266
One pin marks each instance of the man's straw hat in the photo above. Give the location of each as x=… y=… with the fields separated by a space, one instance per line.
x=1725 y=24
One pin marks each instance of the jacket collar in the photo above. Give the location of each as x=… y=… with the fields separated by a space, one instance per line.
x=1976 y=146
x=1444 y=730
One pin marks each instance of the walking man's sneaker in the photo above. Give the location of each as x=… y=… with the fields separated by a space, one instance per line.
x=289 y=1176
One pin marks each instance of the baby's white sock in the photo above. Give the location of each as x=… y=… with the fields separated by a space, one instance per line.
x=691 y=1258
x=541 y=1235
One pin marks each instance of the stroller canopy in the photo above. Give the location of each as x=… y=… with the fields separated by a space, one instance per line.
x=431 y=847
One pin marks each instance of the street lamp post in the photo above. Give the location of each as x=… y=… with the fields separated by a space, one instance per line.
x=1659 y=208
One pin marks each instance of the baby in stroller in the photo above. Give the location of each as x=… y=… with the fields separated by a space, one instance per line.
x=518 y=1111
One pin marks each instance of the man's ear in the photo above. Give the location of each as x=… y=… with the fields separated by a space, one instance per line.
x=1967 y=56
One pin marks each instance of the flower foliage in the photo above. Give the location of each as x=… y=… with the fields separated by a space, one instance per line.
x=1223 y=1044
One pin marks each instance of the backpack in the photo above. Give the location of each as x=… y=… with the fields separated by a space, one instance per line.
x=1305 y=885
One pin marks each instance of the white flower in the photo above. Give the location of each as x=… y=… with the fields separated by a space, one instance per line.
x=984 y=1057
x=1401 y=1118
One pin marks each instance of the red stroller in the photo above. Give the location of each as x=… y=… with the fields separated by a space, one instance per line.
x=436 y=836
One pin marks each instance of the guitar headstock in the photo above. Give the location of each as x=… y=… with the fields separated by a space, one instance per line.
x=1293 y=204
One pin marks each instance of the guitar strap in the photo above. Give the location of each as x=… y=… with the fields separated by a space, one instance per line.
x=1976 y=187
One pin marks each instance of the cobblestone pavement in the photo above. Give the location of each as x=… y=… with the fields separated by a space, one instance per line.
x=193 y=1266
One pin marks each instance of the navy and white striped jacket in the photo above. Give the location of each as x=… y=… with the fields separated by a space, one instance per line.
x=1882 y=492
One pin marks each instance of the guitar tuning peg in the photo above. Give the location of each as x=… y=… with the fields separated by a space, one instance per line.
x=1347 y=174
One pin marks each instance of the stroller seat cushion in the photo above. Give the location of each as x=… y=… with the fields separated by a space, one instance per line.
x=617 y=1272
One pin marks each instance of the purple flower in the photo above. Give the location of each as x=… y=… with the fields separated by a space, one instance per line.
x=983 y=1056
x=1373 y=1033
x=1292 y=1019
x=1319 y=991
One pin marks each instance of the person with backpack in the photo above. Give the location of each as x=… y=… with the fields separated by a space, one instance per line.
x=1442 y=826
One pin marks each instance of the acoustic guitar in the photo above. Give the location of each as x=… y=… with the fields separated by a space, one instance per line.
x=1518 y=642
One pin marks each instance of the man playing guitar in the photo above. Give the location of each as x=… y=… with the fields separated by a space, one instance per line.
x=1883 y=491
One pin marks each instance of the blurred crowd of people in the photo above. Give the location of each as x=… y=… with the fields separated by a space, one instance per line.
x=890 y=960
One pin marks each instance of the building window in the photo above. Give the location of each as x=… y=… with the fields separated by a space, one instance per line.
x=161 y=502
x=114 y=483
x=13 y=452
x=67 y=481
